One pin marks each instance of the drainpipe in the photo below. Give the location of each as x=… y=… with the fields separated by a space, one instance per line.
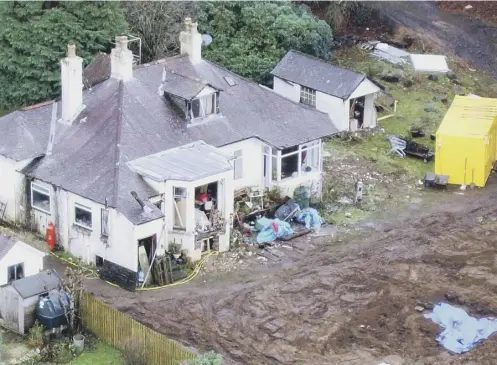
x=137 y=198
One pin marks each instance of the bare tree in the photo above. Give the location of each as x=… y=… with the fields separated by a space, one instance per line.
x=158 y=24
x=73 y=285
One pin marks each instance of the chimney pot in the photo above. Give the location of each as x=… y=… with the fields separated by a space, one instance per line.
x=123 y=42
x=71 y=50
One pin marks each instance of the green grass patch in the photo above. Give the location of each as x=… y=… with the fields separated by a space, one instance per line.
x=103 y=355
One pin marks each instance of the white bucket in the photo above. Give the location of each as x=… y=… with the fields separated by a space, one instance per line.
x=79 y=343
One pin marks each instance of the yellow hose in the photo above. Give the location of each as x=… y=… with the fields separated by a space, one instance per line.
x=94 y=275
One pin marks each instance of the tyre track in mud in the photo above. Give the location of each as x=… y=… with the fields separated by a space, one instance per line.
x=312 y=312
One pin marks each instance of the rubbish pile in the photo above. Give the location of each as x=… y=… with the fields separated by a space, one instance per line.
x=280 y=219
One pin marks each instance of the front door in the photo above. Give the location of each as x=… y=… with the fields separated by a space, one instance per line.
x=266 y=166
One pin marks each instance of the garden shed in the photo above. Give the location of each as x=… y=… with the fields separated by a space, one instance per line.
x=18 y=299
x=466 y=146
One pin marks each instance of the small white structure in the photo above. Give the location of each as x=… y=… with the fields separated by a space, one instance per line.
x=18 y=299
x=18 y=260
x=429 y=63
x=347 y=97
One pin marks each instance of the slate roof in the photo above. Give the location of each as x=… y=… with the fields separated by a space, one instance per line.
x=125 y=121
x=6 y=244
x=33 y=285
x=183 y=87
x=317 y=74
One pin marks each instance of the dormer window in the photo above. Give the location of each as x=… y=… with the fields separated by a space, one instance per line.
x=204 y=106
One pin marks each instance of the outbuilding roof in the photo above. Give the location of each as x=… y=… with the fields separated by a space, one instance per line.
x=317 y=74
x=33 y=285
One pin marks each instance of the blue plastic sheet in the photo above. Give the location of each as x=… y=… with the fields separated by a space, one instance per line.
x=461 y=332
x=310 y=217
x=273 y=229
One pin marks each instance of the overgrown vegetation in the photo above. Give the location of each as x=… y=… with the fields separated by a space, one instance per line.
x=158 y=24
x=36 y=335
x=33 y=39
x=133 y=352
x=251 y=37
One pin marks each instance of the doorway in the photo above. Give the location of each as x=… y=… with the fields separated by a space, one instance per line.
x=357 y=110
x=150 y=245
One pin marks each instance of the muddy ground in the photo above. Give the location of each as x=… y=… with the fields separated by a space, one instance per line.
x=351 y=302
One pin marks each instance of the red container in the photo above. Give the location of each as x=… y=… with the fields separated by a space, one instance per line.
x=50 y=236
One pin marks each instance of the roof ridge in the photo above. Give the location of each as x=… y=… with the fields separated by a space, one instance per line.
x=321 y=60
x=117 y=149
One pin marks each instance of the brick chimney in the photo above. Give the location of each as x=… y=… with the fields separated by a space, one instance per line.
x=121 y=60
x=191 y=41
x=72 y=85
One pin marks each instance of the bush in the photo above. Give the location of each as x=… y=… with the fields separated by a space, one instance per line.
x=60 y=352
x=209 y=358
x=36 y=336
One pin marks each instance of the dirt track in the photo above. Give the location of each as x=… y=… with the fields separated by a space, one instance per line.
x=352 y=303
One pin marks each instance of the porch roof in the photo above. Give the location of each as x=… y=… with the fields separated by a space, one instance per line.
x=190 y=162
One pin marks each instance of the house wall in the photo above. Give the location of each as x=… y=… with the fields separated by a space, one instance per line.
x=120 y=247
x=336 y=108
x=252 y=162
x=311 y=180
x=287 y=89
x=21 y=253
x=12 y=187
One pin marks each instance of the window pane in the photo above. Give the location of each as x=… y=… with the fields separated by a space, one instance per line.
x=289 y=166
x=310 y=159
x=82 y=217
x=307 y=96
x=179 y=207
x=40 y=200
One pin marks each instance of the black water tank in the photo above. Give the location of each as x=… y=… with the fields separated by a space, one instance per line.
x=51 y=310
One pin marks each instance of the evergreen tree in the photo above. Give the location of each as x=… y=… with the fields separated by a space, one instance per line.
x=251 y=37
x=34 y=37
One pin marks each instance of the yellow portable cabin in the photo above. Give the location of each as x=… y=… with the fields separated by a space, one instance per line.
x=466 y=141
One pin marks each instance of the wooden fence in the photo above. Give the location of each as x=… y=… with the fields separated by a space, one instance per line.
x=120 y=330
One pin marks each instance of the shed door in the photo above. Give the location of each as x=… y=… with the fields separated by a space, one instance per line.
x=10 y=306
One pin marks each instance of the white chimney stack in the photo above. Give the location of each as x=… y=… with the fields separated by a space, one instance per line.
x=191 y=41
x=121 y=60
x=72 y=85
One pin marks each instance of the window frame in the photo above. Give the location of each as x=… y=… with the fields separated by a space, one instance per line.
x=15 y=266
x=179 y=193
x=238 y=165
x=35 y=187
x=104 y=213
x=201 y=109
x=307 y=96
x=88 y=210
x=278 y=157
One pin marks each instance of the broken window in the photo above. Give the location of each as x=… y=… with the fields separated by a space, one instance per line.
x=179 y=207
x=298 y=160
x=238 y=165
x=307 y=96
x=82 y=216
x=204 y=106
x=40 y=198
x=104 y=227
x=15 y=272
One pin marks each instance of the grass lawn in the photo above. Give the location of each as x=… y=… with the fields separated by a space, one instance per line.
x=104 y=355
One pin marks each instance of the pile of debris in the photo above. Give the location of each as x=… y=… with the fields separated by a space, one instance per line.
x=274 y=218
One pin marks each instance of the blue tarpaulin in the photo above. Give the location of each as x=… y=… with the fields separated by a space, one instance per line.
x=273 y=229
x=460 y=331
x=310 y=217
